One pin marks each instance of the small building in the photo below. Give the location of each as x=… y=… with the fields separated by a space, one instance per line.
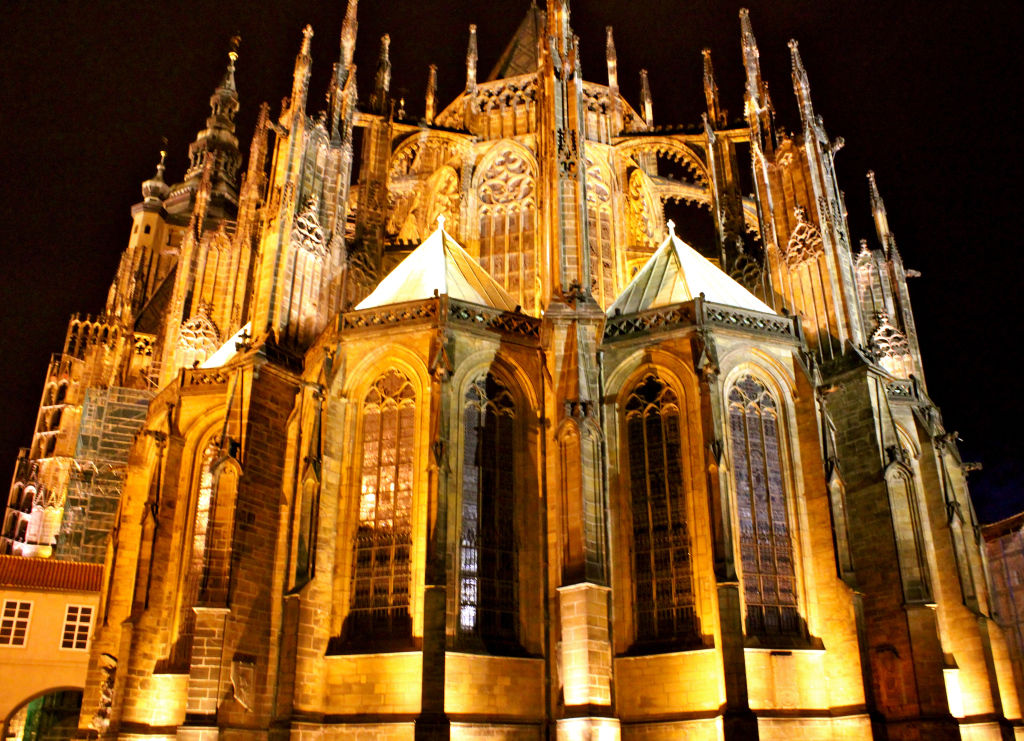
x=47 y=614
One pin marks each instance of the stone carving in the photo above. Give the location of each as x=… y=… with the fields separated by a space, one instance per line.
x=307 y=234
x=199 y=338
x=508 y=179
x=101 y=718
x=805 y=242
x=890 y=347
x=640 y=206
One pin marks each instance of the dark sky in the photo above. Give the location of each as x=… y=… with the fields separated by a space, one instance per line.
x=921 y=91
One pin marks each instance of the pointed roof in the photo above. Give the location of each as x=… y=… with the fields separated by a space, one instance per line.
x=677 y=273
x=520 y=56
x=439 y=265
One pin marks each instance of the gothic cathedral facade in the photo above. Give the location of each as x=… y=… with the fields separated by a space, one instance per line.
x=435 y=428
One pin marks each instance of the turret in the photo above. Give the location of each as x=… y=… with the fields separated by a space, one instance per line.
x=613 y=61
x=155 y=190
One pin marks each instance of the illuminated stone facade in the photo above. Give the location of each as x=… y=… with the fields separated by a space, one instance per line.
x=450 y=435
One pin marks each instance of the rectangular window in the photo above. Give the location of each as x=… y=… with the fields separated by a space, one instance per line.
x=77 y=622
x=14 y=622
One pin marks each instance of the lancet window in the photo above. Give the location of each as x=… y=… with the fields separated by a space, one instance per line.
x=766 y=544
x=663 y=604
x=381 y=569
x=508 y=223
x=488 y=569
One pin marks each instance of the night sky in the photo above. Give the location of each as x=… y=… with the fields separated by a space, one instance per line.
x=925 y=93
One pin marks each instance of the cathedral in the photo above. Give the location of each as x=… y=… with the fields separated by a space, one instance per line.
x=436 y=427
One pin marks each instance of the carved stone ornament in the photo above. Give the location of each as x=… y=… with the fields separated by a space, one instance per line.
x=199 y=334
x=307 y=234
x=508 y=179
x=805 y=242
x=890 y=347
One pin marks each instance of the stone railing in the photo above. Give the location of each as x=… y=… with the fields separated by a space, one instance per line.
x=701 y=313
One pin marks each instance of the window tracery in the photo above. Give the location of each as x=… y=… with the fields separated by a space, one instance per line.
x=891 y=348
x=766 y=546
x=199 y=338
x=664 y=604
x=381 y=569
x=640 y=207
x=488 y=568
x=507 y=193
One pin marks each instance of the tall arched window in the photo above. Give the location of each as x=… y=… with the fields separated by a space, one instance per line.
x=381 y=557
x=663 y=604
x=766 y=546
x=488 y=572
x=508 y=218
x=198 y=548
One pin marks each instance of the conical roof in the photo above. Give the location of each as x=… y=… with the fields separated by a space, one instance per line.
x=439 y=265
x=677 y=273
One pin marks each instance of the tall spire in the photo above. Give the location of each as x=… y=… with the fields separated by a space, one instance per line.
x=382 y=84
x=757 y=102
x=218 y=138
x=431 y=106
x=472 y=57
x=646 y=102
x=348 y=34
x=715 y=112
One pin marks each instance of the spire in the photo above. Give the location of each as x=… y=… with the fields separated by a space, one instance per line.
x=382 y=85
x=348 y=34
x=155 y=190
x=751 y=58
x=757 y=101
x=431 y=107
x=801 y=85
x=715 y=112
x=613 y=60
x=646 y=102
x=218 y=138
x=300 y=78
x=878 y=211
x=472 y=57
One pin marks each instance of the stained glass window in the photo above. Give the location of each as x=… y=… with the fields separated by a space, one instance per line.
x=382 y=552
x=766 y=545
x=488 y=571
x=663 y=606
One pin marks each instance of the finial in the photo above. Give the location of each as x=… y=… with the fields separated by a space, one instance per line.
x=348 y=34
x=671 y=228
x=431 y=107
x=472 y=57
x=307 y=35
x=228 y=83
x=441 y=221
x=715 y=113
x=799 y=73
x=878 y=211
x=383 y=82
x=645 y=98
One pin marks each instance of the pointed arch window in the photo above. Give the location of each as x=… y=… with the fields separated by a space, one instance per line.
x=382 y=550
x=664 y=605
x=488 y=569
x=766 y=545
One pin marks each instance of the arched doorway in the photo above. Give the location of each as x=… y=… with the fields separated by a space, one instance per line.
x=52 y=716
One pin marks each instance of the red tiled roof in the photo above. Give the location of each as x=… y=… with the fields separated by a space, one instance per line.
x=50 y=574
x=1003 y=527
